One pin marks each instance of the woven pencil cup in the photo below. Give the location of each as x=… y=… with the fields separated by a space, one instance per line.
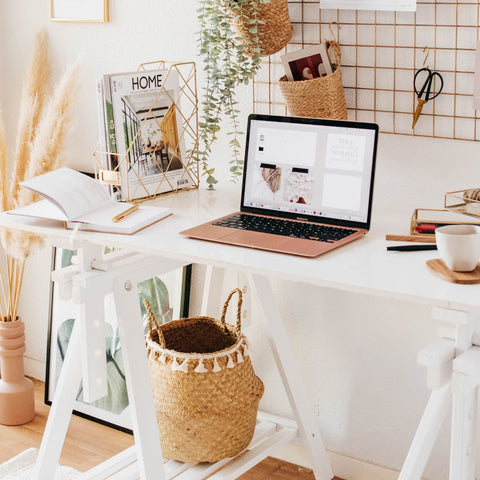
x=321 y=97
x=205 y=391
x=275 y=31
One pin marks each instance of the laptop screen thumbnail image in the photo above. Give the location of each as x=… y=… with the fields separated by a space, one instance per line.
x=312 y=168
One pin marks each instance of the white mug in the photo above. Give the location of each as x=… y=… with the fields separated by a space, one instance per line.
x=459 y=246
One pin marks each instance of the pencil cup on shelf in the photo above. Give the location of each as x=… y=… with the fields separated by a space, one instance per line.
x=459 y=246
x=322 y=97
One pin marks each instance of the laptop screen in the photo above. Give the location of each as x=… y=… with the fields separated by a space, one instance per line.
x=314 y=169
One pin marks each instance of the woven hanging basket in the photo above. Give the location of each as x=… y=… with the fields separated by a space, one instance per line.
x=275 y=31
x=321 y=97
x=205 y=391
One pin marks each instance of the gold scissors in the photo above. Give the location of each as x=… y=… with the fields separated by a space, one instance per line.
x=425 y=93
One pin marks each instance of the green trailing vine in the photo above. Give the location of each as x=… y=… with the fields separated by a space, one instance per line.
x=229 y=42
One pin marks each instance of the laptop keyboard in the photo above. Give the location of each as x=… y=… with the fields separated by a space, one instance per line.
x=287 y=228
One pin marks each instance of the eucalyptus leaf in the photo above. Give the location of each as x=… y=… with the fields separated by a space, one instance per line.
x=226 y=65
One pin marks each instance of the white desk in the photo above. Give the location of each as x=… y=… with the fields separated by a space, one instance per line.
x=363 y=266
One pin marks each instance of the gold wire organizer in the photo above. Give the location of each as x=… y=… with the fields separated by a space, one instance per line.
x=460 y=201
x=149 y=168
x=438 y=217
x=380 y=53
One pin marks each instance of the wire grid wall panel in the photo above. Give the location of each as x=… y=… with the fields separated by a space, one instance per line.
x=381 y=52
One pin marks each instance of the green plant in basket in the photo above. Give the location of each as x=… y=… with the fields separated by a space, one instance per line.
x=229 y=41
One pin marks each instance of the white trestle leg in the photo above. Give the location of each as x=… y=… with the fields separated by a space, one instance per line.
x=453 y=365
x=466 y=379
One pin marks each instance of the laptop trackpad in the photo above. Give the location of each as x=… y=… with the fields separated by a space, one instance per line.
x=257 y=240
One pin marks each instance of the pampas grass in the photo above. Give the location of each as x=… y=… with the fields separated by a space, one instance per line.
x=49 y=142
x=42 y=131
x=3 y=164
x=34 y=95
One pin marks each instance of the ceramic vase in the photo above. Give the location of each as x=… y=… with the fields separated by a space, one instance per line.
x=16 y=392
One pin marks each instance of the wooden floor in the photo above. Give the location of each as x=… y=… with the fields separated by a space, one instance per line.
x=89 y=443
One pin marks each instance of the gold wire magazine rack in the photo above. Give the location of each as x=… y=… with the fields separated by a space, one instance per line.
x=150 y=131
x=460 y=202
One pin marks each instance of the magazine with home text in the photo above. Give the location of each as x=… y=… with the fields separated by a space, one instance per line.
x=147 y=132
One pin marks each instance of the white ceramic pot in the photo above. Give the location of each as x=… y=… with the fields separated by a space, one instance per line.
x=459 y=246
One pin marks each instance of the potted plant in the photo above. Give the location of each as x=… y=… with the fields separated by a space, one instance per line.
x=234 y=34
x=42 y=131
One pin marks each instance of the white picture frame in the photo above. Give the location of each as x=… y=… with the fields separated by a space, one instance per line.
x=306 y=64
x=79 y=11
x=171 y=295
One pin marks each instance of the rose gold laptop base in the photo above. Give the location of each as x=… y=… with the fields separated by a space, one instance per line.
x=267 y=241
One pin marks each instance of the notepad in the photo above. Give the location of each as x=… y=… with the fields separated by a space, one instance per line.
x=83 y=203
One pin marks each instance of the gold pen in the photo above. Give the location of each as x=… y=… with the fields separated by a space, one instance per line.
x=125 y=213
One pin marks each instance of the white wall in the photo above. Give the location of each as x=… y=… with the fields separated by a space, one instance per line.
x=356 y=353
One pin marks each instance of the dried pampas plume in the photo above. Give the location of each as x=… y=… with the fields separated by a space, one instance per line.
x=34 y=95
x=42 y=131
x=3 y=163
x=49 y=143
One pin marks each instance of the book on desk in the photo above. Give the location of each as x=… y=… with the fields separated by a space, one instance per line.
x=82 y=203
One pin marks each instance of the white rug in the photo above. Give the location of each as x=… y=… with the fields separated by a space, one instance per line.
x=21 y=467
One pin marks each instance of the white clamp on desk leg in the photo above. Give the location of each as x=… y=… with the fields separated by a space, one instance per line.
x=438 y=358
x=63 y=278
x=461 y=326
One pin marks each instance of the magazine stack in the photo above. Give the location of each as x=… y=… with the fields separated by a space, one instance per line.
x=148 y=130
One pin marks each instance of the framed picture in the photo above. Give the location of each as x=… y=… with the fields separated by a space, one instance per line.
x=168 y=295
x=79 y=10
x=306 y=64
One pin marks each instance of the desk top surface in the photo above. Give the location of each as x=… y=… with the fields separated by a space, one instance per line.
x=362 y=266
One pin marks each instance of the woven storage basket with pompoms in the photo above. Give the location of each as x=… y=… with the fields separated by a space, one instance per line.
x=205 y=390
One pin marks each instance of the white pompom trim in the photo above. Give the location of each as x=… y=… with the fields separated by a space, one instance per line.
x=238 y=352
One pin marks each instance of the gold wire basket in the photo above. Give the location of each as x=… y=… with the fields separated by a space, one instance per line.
x=424 y=220
x=466 y=202
x=153 y=155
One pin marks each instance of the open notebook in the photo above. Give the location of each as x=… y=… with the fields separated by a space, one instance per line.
x=307 y=186
x=84 y=204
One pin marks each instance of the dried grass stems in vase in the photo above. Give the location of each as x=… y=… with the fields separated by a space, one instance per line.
x=42 y=131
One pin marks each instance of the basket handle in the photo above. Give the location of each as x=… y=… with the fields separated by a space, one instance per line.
x=152 y=325
x=239 y=309
x=335 y=46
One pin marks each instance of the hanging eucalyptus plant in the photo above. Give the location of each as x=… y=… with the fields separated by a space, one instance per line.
x=229 y=41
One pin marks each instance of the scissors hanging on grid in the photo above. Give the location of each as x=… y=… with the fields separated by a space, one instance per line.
x=425 y=92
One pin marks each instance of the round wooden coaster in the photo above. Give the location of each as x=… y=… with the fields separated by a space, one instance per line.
x=438 y=267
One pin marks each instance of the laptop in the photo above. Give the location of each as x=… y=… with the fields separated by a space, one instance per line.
x=307 y=186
